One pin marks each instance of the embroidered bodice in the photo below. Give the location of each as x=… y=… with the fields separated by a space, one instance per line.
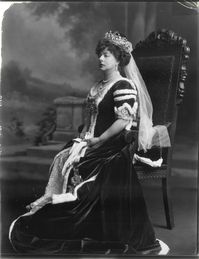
x=116 y=100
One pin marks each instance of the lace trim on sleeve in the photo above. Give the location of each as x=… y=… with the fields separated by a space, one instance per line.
x=126 y=112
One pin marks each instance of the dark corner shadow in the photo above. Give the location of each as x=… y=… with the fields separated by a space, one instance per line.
x=159 y=226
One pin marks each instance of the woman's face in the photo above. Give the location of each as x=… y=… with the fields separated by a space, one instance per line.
x=107 y=60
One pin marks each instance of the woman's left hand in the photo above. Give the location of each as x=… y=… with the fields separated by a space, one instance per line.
x=93 y=142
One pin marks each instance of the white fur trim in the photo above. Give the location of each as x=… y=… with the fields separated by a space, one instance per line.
x=125 y=97
x=13 y=223
x=164 y=248
x=68 y=197
x=148 y=161
x=125 y=91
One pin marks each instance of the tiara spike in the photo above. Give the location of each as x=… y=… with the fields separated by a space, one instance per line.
x=119 y=41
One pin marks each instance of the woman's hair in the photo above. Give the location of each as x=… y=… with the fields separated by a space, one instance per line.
x=122 y=56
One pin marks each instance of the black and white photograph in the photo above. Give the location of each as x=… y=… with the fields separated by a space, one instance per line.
x=99 y=129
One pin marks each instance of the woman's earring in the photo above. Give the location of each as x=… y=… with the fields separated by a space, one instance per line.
x=116 y=67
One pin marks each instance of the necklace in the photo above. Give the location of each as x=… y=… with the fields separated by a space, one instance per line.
x=101 y=86
x=96 y=94
x=104 y=83
x=111 y=78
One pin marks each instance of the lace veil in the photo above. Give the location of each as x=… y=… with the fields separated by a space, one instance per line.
x=148 y=135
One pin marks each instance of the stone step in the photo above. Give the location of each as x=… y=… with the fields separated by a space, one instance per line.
x=20 y=150
x=14 y=150
x=47 y=151
x=24 y=167
x=64 y=136
x=54 y=142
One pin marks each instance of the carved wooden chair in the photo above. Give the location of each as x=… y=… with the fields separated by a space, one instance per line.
x=162 y=59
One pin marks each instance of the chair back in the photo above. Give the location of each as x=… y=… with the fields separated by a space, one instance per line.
x=162 y=60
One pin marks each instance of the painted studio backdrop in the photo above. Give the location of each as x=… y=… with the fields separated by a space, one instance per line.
x=48 y=53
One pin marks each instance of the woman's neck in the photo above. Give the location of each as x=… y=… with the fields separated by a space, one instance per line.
x=110 y=75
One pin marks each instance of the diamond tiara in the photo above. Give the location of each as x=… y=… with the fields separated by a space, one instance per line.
x=118 y=40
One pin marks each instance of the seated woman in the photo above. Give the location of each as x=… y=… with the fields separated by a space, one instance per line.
x=93 y=197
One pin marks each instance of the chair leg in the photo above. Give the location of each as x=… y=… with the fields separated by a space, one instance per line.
x=167 y=204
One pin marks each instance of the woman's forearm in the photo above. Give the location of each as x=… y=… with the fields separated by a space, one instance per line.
x=113 y=130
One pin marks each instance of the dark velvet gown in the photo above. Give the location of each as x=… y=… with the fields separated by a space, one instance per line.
x=109 y=213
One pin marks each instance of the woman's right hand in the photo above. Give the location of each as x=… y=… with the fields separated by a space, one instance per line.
x=39 y=203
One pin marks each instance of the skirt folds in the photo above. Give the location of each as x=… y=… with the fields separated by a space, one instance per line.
x=110 y=211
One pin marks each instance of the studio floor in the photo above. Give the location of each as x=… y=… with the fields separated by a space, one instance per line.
x=182 y=239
